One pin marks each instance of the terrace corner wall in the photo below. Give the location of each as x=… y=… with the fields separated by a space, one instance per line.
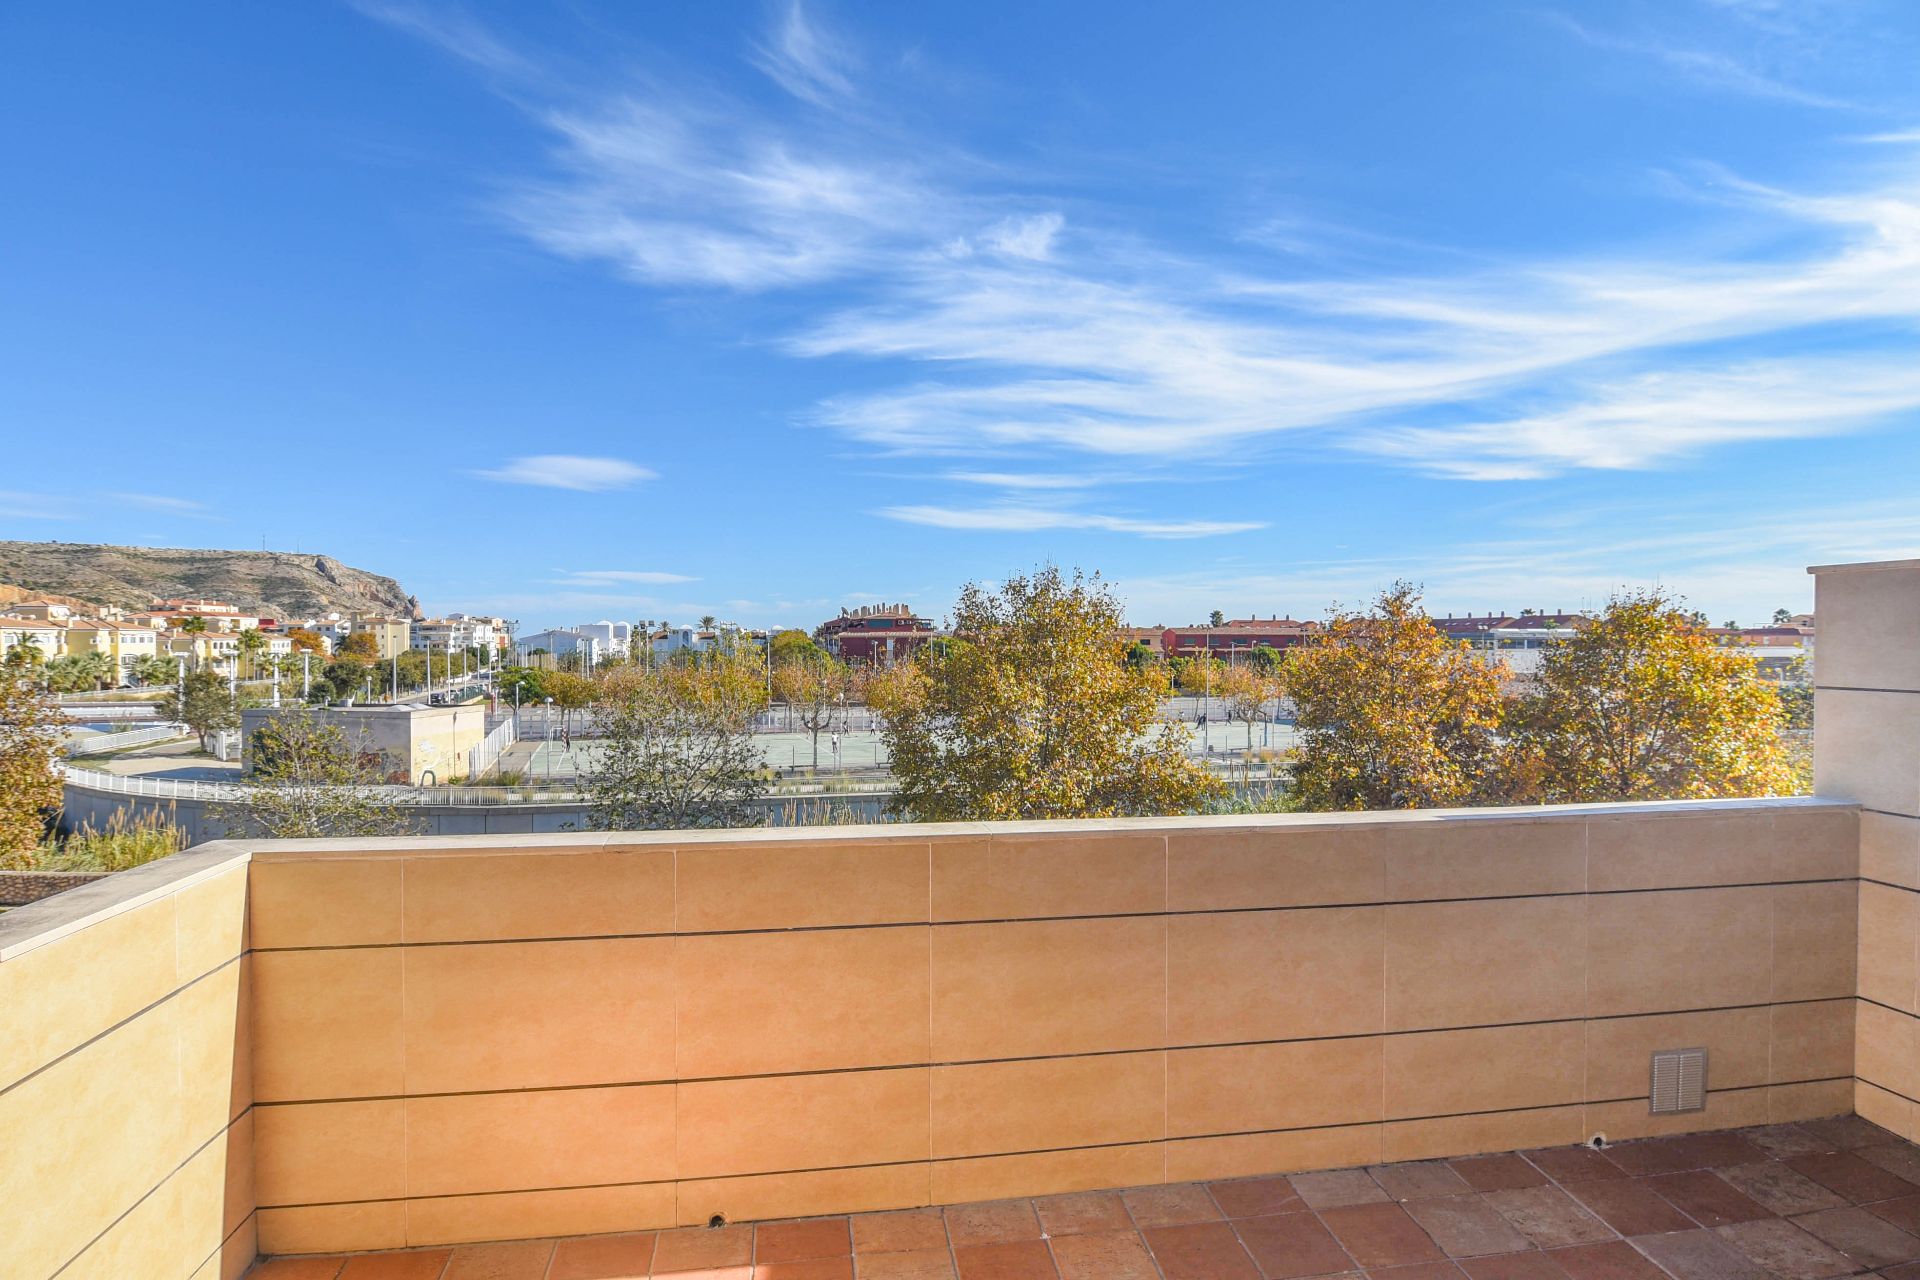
x=1867 y=750
x=487 y=1038
x=125 y=1085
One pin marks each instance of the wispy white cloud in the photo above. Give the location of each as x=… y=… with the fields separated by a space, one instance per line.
x=1020 y=519
x=1045 y=348
x=161 y=502
x=1024 y=479
x=34 y=506
x=590 y=577
x=1710 y=69
x=566 y=471
x=450 y=31
x=805 y=60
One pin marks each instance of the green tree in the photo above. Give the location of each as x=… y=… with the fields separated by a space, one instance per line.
x=1264 y=659
x=307 y=780
x=1033 y=712
x=195 y=625
x=1392 y=714
x=1216 y=619
x=792 y=645
x=1140 y=655
x=251 y=644
x=677 y=748
x=25 y=656
x=207 y=706
x=155 y=669
x=1640 y=705
x=32 y=730
x=1782 y=617
x=74 y=672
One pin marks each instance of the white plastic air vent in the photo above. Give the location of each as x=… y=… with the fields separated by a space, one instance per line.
x=1679 y=1081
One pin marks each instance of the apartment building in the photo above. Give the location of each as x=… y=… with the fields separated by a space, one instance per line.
x=47 y=638
x=880 y=634
x=124 y=643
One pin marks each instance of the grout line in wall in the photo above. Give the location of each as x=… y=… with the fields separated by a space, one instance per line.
x=1057 y=919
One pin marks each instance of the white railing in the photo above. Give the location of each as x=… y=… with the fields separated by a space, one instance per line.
x=99 y=744
x=481 y=759
x=110 y=710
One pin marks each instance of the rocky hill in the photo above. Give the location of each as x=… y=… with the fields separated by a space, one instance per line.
x=276 y=583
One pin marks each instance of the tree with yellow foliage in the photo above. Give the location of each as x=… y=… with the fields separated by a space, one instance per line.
x=1032 y=711
x=1248 y=691
x=31 y=731
x=1393 y=714
x=1642 y=705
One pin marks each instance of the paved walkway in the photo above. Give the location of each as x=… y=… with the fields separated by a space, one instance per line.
x=1785 y=1202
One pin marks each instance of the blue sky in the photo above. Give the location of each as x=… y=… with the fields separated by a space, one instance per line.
x=651 y=311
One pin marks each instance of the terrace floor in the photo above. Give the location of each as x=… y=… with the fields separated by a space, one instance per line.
x=1785 y=1202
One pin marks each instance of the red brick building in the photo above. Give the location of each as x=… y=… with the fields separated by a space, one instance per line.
x=1240 y=636
x=876 y=634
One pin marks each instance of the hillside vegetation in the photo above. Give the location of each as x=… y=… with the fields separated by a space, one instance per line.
x=275 y=583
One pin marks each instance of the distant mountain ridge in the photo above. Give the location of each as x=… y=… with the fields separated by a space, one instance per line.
x=272 y=583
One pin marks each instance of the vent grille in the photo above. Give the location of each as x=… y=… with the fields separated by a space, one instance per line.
x=1679 y=1081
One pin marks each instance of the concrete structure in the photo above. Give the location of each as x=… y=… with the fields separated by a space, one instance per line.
x=43 y=610
x=878 y=634
x=1867 y=750
x=561 y=642
x=460 y=631
x=341 y=1045
x=419 y=745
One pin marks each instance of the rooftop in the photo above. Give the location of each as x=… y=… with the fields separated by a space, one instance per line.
x=1826 y=1198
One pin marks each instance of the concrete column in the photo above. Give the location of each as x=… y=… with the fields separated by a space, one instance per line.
x=1867 y=749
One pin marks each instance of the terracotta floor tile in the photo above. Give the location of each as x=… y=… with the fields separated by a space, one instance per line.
x=1466 y=1226
x=1903 y=1213
x=799 y=1240
x=695 y=1248
x=515 y=1260
x=1652 y=1155
x=414 y=1264
x=1868 y=1240
x=1289 y=1245
x=1380 y=1235
x=297 y=1269
x=899 y=1231
x=1700 y=1255
x=1082 y=1212
x=1419 y=1180
x=992 y=1222
x=1012 y=1260
x=1630 y=1206
x=1104 y=1255
x=620 y=1257
x=1330 y=1188
x=1715 y=1150
x=907 y=1264
x=1608 y=1260
x=840 y=1268
x=1783 y=1140
x=1418 y=1271
x=1574 y=1164
x=1548 y=1217
x=1843 y=1133
x=1515 y=1266
x=1255 y=1197
x=1786 y=1250
x=1202 y=1251
x=1707 y=1198
x=1171 y=1206
x=1779 y=1188
x=1498 y=1173
x=1902 y=1159
x=1848 y=1175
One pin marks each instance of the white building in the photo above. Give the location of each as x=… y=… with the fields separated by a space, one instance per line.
x=560 y=642
x=614 y=638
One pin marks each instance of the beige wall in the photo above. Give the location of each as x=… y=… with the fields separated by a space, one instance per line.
x=1867 y=749
x=125 y=1103
x=490 y=1038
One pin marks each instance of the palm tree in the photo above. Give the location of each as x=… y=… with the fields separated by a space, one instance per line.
x=706 y=622
x=251 y=642
x=195 y=625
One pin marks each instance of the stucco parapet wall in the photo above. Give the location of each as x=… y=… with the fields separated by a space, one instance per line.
x=921 y=832
x=51 y=919
x=1868 y=566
